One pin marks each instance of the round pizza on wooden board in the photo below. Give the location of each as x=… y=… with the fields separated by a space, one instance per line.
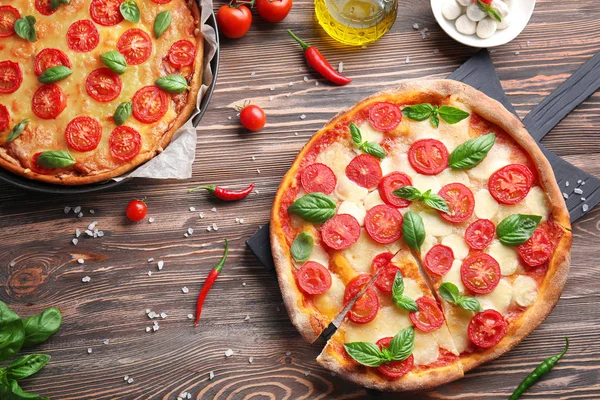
x=87 y=94
x=439 y=184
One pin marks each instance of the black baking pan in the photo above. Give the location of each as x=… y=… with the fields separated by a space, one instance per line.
x=36 y=186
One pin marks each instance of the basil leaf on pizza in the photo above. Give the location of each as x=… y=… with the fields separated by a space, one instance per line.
x=355 y=133
x=115 y=61
x=418 y=112
x=55 y=3
x=313 y=207
x=404 y=302
x=469 y=303
x=172 y=83
x=55 y=74
x=365 y=353
x=449 y=292
x=472 y=152
x=409 y=193
x=25 y=28
x=17 y=130
x=371 y=148
x=161 y=23
x=403 y=344
x=130 y=11
x=517 y=229
x=399 y=349
x=435 y=119
x=413 y=230
x=452 y=115
x=122 y=113
x=433 y=200
x=302 y=246
x=56 y=159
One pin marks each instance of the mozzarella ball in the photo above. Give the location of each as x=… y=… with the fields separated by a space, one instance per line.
x=465 y=26
x=500 y=7
x=475 y=13
x=486 y=28
x=464 y=3
x=451 y=10
x=505 y=23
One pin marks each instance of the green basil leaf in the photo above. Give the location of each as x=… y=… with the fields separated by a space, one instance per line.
x=17 y=130
x=490 y=10
x=38 y=328
x=403 y=344
x=130 y=11
x=517 y=229
x=435 y=119
x=19 y=394
x=373 y=149
x=398 y=285
x=435 y=201
x=56 y=159
x=404 y=302
x=302 y=247
x=418 y=112
x=449 y=292
x=26 y=366
x=25 y=28
x=413 y=230
x=452 y=115
x=469 y=303
x=172 y=83
x=355 y=133
x=313 y=207
x=365 y=353
x=472 y=152
x=408 y=193
x=55 y=74
x=11 y=332
x=55 y=3
x=122 y=113
x=161 y=23
x=115 y=61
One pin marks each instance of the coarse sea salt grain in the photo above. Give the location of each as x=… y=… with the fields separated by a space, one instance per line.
x=566 y=196
x=416 y=26
x=291 y=84
x=67 y=209
x=211 y=375
x=585 y=207
x=577 y=191
x=257 y=171
x=148 y=329
x=303 y=116
x=190 y=231
x=214 y=209
x=149 y=273
x=80 y=260
x=86 y=279
x=192 y=209
x=151 y=220
x=247 y=318
x=228 y=353
x=567 y=183
x=12 y=264
x=89 y=350
x=407 y=59
x=77 y=209
x=163 y=315
x=130 y=381
x=250 y=359
x=77 y=232
x=106 y=341
x=341 y=67
x=190 y=316
x=185 y=289
x=125 y=378
x=215 y=227
x=201 y=215
x=160 y=264
x=92 y=211
x=80 y=215
x=305 y=79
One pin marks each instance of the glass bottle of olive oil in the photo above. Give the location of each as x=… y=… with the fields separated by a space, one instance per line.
x=356 y=22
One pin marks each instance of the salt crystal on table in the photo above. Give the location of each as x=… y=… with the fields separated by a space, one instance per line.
x=126 y=377
x=305 y=79
x=566 y=196
x=151 y=259
x=247 y=318
x=317 y=83
x=585 y=207
x=148 y=329
x=303 y=116
x=190 y=316
x=163 y=315
x=185 y=289
x=407 y=59
x=517 y=53
x=149 y=273
x=415 y=26
x=228 y=353
x=67 y=209
x=106 y=341
x=190 y=231
x=250 y=359
x=578 y=191
x=130 y=380
x=201 y=215
x=77 y=232
x=89 y=350
x=151 y=219
x=77 y=209
x=160 y=265
x=341 y=67
x=12 y=264
x=291 y=84
x=80 y=215
x=214 y=209
x=192 y=209
x=211 y=375
x=85 y=279
x=567 y=183
x=271 y=89
x=92 y=211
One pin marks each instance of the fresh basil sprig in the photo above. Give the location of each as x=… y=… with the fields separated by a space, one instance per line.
x=12 y=333
x=130 y=11
x=413 y=230
x=449 y=292
x=115 y=61
x=55 y=3
x=431 y=199
x=55 y=74
x=371 y=148
x=313 y=207
x=172 y=83
x=39 y=327
x=26 y=366
x=399 y=349
x=421 y=112
x=490 y=10
x=161 y=23
x=472 y=152
x=25 y=28
x=17 y=130
x=302 y=246
x=517 y=229
x=404 y=302
x=122 y=113
x=56 y=159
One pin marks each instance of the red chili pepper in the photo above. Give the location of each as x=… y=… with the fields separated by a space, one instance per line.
x=315 y=59
x=210 y=280
x=226 y=194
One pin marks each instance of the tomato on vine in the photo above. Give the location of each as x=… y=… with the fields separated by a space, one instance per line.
x=253 y=117
x=136 y=210
x=273 y=10
x=234 y=20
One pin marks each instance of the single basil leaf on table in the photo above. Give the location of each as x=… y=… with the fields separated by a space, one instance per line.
x=373 y=149
x=161 y=23
x=472 y=152
x=12 y=333
x=122 y=113
x=313 y=207
x=302 y=247
x=403 y=344
x=517 y=228
x=115 y=61
x=172 y=83
x=365 y=353
x=25 y=28
x=469 y=303
x=413 y=230
x=55 y=74
x=38 y=328
x=355 y=133
x=435 y=201
x=17 y=130
x=56 y=159
x=449 y=292
x=408 y=193
x=130 y=11
x=418 y=112
x=26 y=366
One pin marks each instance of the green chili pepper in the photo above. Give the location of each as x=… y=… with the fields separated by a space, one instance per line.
x=538 y=373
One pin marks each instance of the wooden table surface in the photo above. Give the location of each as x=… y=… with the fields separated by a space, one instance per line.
x=36 y=235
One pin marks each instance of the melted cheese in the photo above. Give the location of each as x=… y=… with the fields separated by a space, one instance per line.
x=428 y=243
x=458 y=320
x=506 y=256
x=444 y=339
x=412 y=289
x=457 y=243
x=434 y=224
x=486 y=206
x=337 y=157
x=451 y=176
x=498 y=157
x=423 y=130
x=390 y=320
x=373 y=199
x=426 y=348
x=348 y=190
x=525 y=291
x=357 y=210
x=397 y=162
x=319 y=255
x=332 y=301
x=537 y=202
x=453 y=276
x=499 y=299
x=360 y=255
x=426 y=182
x=370 y=134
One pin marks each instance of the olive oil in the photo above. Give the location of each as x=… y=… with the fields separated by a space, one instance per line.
x=356 y=22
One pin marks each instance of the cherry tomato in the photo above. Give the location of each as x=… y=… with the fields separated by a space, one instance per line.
x=234 y=21
x=182 y=54
x=385 y=280
x=8 y=16
x=480 y=273
x=313 y=278
x=38 y=168
x=11 y=77
x=365 y=308
x=149 y=104
x=136 y=210
x=537 y=249
x=135 y=45
x=480 y=234
x=340 y=232
x=460 y=201
x=391 y=182
x=394 y=369
x=487 y=329
x=365 y=171
x=253 y=117
x=488 y=2
x=429 y=317
x=428 y=156
x=383 y=224
x=125 y=143
x=162 y=1
x=48 y=58
x=4 y=118
x=43 y=7
x=106 y=12
x=273 y=10
x=83 y=133
x=385 y=116
x=83 y=36
x=318 y=178
x=439 y=259
x=354 y=287
x=48 y=101
x=103 y=85
x=510 y=184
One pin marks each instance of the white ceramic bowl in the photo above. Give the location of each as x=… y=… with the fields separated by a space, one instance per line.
x=520 y=14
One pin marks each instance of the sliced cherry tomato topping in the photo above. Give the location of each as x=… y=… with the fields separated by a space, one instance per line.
x=11 y=77
x=162 y=1
x=48 y=58
x=43 y=7
x=103 y=85
x=150 y=103
x=439 y=259
x=8 y=16
x=4 y=118
x=354 y=287
x=318 y=178
x=125 y=143
x=38 y=168
x=106 y=12
x=365 y=308
x=365 y=171
x=480 y=273
x=510 y=184
x=83 y=133
x=182 y=53
x=385 y=116
x=487 y=329
x=48 y=101
x=135 y=45
x=460 y=201
x=480 y=234
x=394 y=369
x=384 y=224
x=391 y=182
x=429 y=317
x=83 y=36
x=537 y=249
x=428 y=156
x=385 y=280
x=313 y=278
x=340 y=232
